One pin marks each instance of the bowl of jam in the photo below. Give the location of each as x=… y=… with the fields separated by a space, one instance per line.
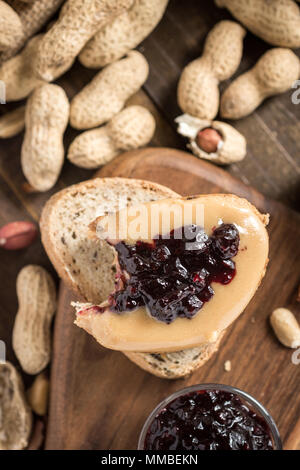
x=210 y=417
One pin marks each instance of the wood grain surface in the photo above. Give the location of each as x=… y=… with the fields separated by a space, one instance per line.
x=271 y=165
x=99 y=399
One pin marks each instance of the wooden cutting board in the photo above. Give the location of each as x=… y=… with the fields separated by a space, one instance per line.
x=100 y=400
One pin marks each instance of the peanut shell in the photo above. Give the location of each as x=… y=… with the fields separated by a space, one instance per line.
x=275 y=21
x=37 y=304
x=274 y=73
x=122 y=34
x=12 y=123
x=46 y=118
x=107 y=93
x=131 y=128
x=78 y=21
x=198 y=88
x=232 y=148
x=11 y=28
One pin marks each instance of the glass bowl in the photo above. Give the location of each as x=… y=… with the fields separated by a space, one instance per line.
x=252 y=402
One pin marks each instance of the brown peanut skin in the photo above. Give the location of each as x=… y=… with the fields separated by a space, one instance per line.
x=17 y=235
x=208 y=140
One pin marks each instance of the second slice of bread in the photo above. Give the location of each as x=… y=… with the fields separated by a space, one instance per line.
x=176 y=364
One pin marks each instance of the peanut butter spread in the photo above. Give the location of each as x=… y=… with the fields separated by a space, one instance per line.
x=136 y=330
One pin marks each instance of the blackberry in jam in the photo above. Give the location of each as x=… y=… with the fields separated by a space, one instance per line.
x=210 y=417
x=172 y=276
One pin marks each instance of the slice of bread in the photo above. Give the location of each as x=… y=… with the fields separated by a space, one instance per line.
x=85 y=264
x=15 y=414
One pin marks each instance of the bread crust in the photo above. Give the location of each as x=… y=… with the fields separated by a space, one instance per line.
x=175 y=365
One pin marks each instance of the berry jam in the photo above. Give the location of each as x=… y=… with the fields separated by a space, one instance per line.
x=172 y=276
x=208 y=420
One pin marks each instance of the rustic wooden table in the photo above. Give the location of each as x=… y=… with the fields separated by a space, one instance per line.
x=273 y=134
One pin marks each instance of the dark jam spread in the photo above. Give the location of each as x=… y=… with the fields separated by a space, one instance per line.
x=208 y=420
x=172 y=276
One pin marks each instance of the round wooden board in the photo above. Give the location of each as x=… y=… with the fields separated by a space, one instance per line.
x=99 y=399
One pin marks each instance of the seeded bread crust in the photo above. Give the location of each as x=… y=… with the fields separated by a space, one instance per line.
x=175 y=365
